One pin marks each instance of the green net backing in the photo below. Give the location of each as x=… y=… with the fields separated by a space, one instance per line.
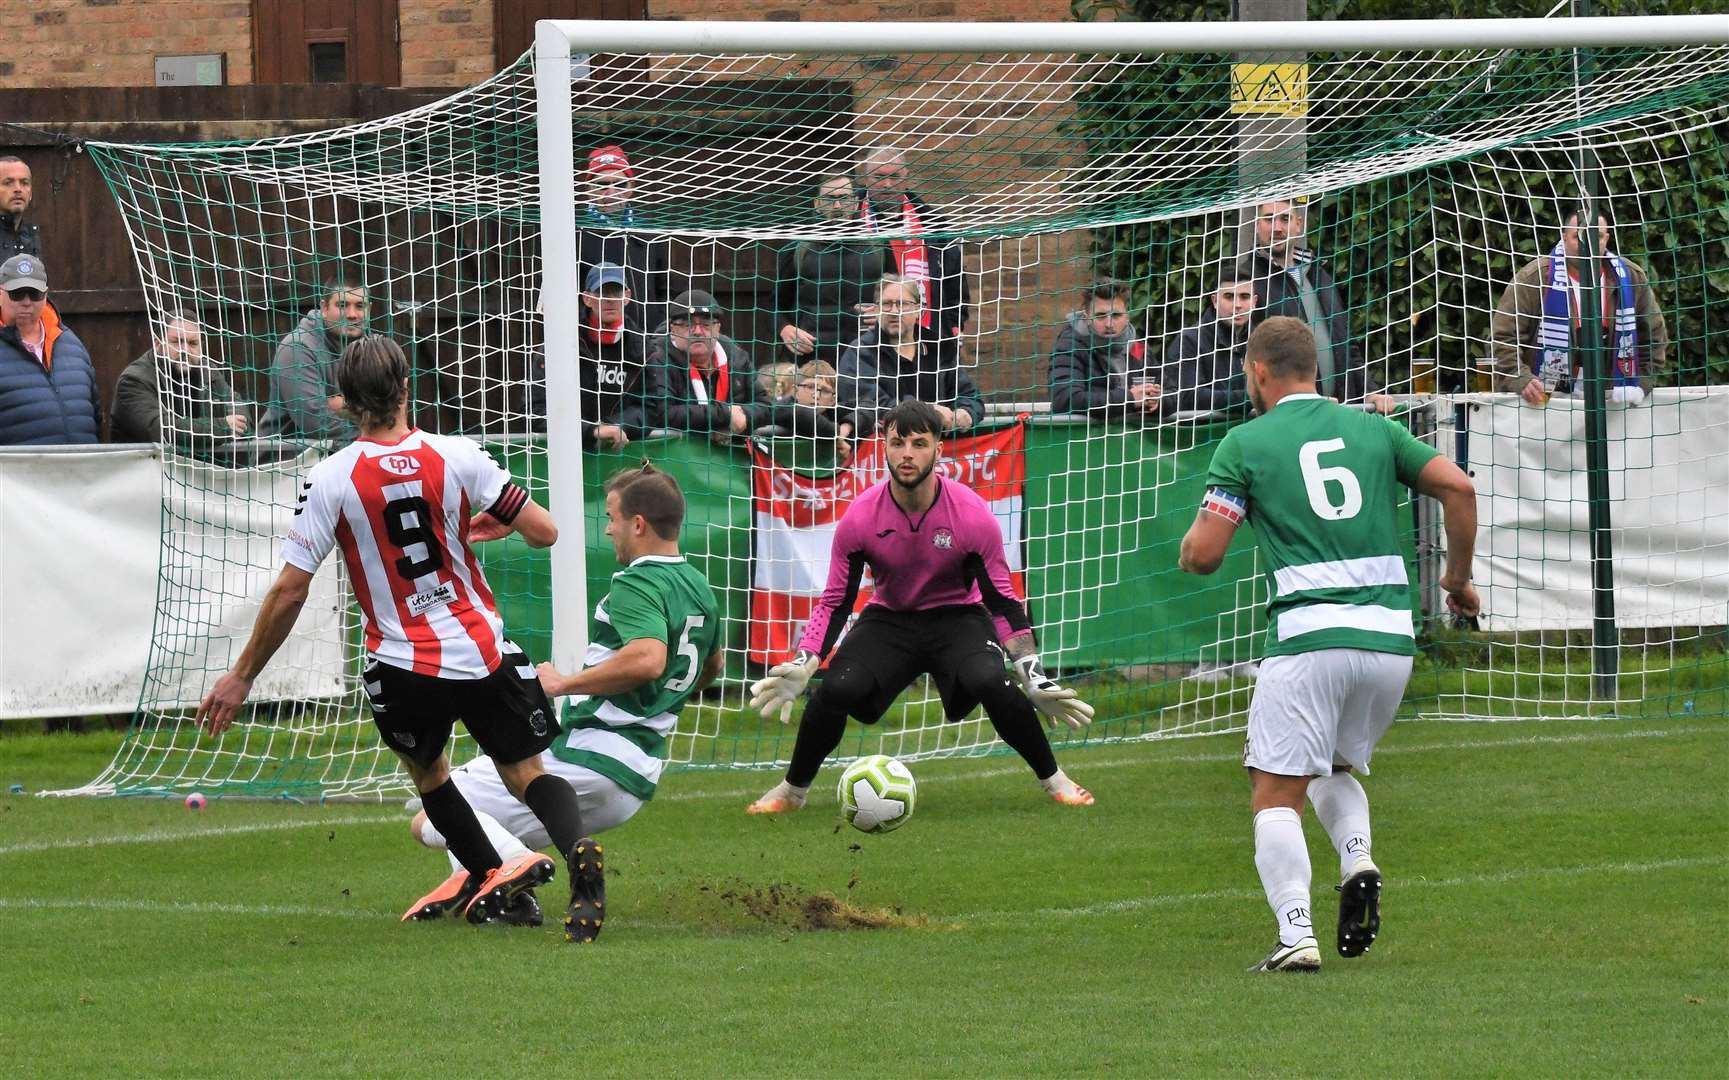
x=1422 y=182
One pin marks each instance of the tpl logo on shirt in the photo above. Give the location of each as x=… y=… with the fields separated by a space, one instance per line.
x=399 y=464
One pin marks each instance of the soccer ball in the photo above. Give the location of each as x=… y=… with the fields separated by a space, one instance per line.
x=877 y=794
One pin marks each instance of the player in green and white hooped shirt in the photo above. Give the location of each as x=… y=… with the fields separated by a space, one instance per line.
x=655 y=644
x=1321 y=484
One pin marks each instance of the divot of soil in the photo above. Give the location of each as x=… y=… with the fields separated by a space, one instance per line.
x=784 y=906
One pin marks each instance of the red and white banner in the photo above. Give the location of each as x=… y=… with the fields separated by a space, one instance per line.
x=795 y=518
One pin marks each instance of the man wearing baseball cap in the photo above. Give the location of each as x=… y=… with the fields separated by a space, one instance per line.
x=700 y=380
x=601 y=236
x=48 y=390
x=609 y=351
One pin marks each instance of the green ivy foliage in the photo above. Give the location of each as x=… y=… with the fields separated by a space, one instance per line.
x=1423 y=256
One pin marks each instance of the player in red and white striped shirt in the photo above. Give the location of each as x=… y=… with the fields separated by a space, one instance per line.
x=405 y=506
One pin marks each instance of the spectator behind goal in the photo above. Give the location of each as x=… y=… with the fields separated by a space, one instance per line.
x=935 y=265
x=202 y=410
x=601 y=237
x=1204 y=363
x=610 y=364
x=698 y=379
x=1532 y=328
x=1291 y=281
x=304 y=399
x=1099 y=359
x=47 y=381
x=16 y=192
x=897 y=360
x=823 y=287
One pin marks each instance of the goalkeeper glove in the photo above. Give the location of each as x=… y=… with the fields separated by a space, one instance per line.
x=775 y=693
x=1057 y=704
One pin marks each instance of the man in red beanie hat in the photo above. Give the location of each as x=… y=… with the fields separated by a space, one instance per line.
x=602 y=236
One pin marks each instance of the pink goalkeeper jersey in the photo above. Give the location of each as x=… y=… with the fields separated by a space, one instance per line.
x=950 y=554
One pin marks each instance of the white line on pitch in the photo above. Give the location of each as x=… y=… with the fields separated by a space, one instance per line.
x=186 y=907
x=1086 y=765
x=1112 y=907
x=1139 y=903
x=157 y=836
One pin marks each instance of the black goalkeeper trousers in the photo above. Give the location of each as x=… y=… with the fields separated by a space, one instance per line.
x=886 y=651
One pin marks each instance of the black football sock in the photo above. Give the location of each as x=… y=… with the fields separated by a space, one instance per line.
x=451 y=815
x=819 y=732
x=1017 y=724
x=553 y=801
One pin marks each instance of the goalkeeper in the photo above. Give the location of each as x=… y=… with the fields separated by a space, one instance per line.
x=936 y=557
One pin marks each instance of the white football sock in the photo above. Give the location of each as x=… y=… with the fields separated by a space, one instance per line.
x=792 y=793
x=1057 y=781
x=1282 y=857
x=503 y=841
x=1342 y=806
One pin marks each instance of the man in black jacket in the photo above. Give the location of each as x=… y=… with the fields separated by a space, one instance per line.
x=894 y=360
x=1099 y=361
x=16 y=238
x=918 y=253
x=203 y=411
x=700 y=380
x=823 y=286
x=1204 y=363
x=609 y=355
x=600 y=239
x=1290 y=280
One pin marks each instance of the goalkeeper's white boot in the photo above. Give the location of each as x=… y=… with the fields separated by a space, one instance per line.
x=1065 y=791
x=1304 y=956
x=781 y=799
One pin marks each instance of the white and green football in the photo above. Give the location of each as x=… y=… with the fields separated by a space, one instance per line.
x=877 y=794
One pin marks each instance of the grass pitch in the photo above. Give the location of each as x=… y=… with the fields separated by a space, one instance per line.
x=1555 y=905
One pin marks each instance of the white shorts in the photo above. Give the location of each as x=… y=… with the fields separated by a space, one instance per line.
x=1319 y=709
x=604 y=804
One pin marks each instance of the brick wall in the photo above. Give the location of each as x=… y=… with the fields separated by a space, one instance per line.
x=445 y=42
x=116 y=42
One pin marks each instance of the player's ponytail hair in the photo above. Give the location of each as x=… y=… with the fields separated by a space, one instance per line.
x=654 y=496
x=371 y=375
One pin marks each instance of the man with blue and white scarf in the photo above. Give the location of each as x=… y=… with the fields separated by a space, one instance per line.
x=1533 y=327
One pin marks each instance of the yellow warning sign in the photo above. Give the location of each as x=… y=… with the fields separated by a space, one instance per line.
x=1280 y=89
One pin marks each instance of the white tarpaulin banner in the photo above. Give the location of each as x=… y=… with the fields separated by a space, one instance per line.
x=1668 y=504
x=86 y=579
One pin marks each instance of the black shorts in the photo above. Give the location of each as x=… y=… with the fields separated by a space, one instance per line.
x=897 y=647
x=507 y=712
